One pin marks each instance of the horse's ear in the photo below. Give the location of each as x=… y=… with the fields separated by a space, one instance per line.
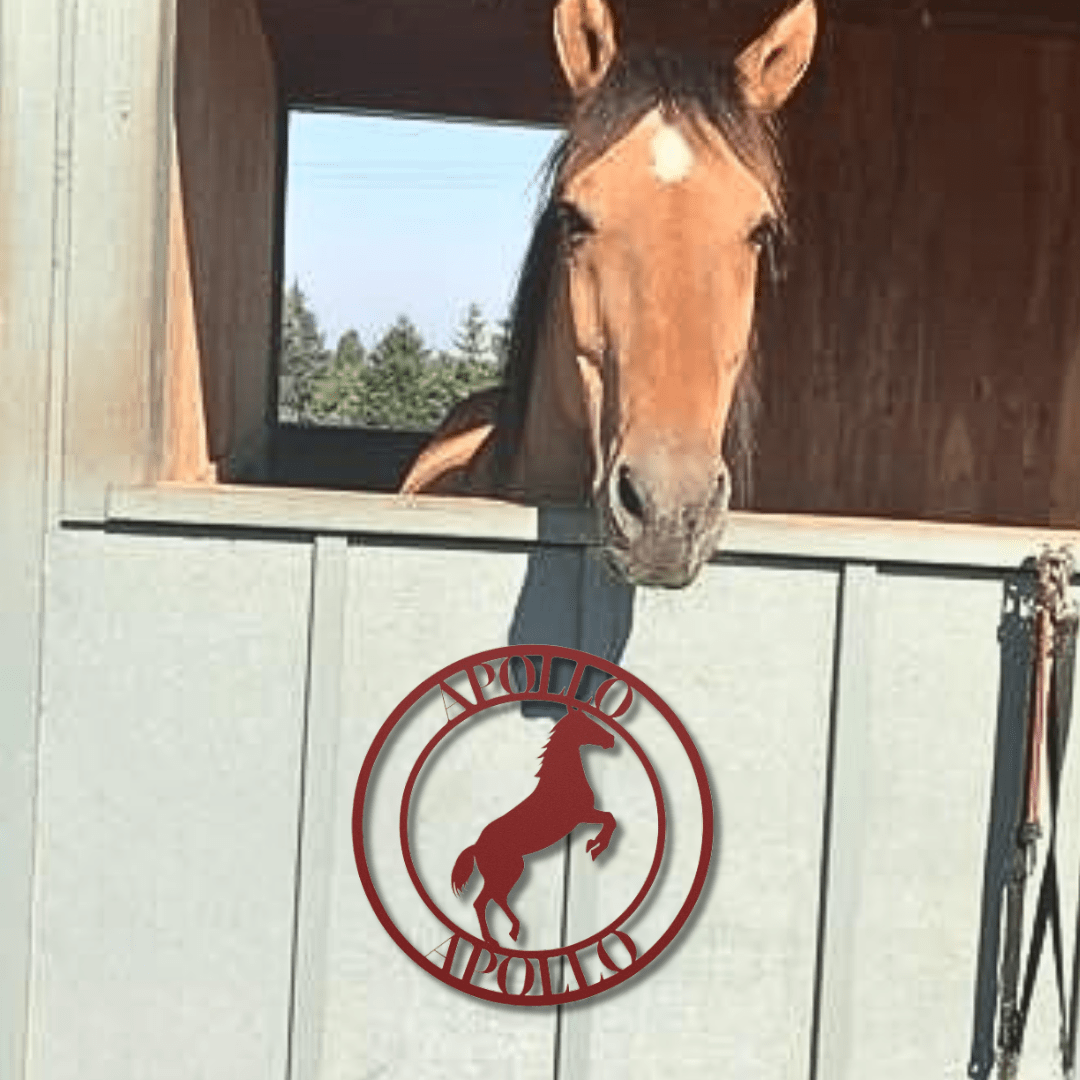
x=770 y=68
x=585 y=42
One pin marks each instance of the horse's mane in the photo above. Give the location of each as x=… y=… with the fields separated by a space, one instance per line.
x=552 y=737
x=697 y=87
x=547 y=744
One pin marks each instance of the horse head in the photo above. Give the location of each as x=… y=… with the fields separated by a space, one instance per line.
x=632 y=322
x=663 y=228
x=581 y=730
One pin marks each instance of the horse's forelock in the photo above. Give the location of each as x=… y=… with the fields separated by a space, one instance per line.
x=698 y=88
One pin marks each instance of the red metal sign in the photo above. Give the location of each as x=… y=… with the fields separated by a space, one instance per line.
x=470 y=957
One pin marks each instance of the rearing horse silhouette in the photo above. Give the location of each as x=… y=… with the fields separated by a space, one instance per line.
x=560 y=802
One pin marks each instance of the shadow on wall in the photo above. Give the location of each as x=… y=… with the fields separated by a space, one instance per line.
x=570 y=598
x=1016 y=635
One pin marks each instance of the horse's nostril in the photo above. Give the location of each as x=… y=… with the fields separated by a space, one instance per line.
x=628 y=495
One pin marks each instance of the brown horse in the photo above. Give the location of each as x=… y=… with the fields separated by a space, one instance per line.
x=560 y=802
x=632 y=323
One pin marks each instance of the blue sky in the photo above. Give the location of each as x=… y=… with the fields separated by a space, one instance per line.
x=386 y=216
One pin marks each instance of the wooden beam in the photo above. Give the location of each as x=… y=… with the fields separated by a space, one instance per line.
x=491 y=59
x=221 y=237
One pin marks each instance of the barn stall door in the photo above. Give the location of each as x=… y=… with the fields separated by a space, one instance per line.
x=175 y=773
x=832 y=700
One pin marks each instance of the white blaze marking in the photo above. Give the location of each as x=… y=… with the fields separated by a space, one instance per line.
x=672 y=157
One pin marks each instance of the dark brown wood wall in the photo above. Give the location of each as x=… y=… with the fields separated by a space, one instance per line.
x=923 y=357
x=494 y=58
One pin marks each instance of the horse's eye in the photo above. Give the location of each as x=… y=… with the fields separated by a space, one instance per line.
x=573 y=224
x=765 y=238
x=765 y=234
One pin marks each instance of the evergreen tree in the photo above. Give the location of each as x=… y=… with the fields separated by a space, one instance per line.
x=402 y=344
x=401 y=389
x=400 y=383
x=350 y=350
x=340 y=396
x=304 y=358
x=470 y=344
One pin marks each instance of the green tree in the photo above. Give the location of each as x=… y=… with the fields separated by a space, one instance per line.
x=402 y=381
x=470 y=344
x=401 y=344
x=350 y=350
x=475 y=364
x=340 y=394
x=304 y=358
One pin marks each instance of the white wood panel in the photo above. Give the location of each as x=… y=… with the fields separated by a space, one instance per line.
x=167 y=825
x=31 y=98
x=116 y=259
x=411 y=612
x=928 y=767
x=745 y=660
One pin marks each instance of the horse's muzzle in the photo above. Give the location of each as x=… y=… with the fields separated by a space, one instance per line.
x=667 y=563
x=657 y=530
